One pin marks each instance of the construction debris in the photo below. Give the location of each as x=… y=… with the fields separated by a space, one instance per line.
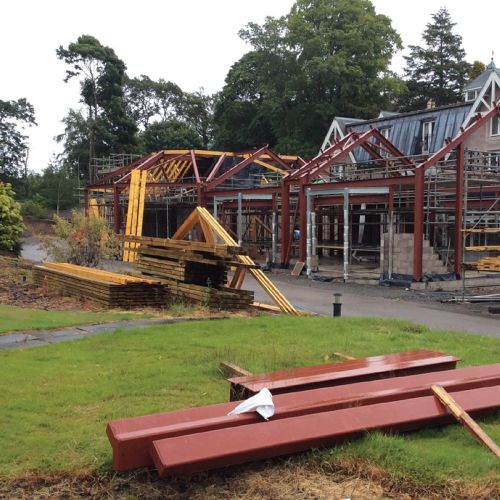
x=195 y=439
x=106 y=288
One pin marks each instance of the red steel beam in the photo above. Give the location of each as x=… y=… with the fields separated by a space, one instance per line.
x=418 y=224
x=131 y=438
x=302 y=221
x=216 y=167
x=234 y=170
x=235 y=445
x=330 y=374
x=119 y=172
x=285 y=223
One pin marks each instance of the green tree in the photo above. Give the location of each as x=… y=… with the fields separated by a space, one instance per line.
x=14 y=116
x=11 y=221
x=476 y=68
x=325 y=58
x=171 y=134
x=110 y=129
x=196 y=109
x=437 y=71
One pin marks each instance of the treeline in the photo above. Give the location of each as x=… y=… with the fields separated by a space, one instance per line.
x=325 y=58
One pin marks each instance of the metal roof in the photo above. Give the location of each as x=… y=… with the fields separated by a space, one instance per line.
x=406 y=128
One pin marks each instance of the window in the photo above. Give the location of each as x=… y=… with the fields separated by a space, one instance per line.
x=427 y=130
x=495 y=125
x=386 y=132
x=471 y=95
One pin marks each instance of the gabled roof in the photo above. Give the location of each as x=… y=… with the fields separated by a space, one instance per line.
x=479 y=82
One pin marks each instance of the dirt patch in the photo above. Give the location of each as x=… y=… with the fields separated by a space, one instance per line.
x=17 y=289
x=274 y=479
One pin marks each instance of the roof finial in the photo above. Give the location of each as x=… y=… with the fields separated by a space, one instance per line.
x=492 y=66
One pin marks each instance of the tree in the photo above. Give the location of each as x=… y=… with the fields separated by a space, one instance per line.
x=437 y=71
x=14 y=115
x=110 y=129
x=196 y=109
x=171 y=134
x=325 y=58
x=11 y=221
x=476 y=68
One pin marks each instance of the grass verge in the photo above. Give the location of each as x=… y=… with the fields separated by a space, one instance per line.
x=13 y=318
x=55 y=400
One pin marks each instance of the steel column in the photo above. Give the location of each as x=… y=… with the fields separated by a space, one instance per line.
x=459 y=203
x=239 y=220
x=302 y=222
x=346 y=233
x=285 y=223
x=308 y=232
x=274 y=245
x=418 y=224
x=116 y=209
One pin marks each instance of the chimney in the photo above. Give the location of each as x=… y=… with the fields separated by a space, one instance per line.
x=431 y=104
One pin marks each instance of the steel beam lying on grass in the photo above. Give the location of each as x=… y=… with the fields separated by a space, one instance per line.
x=331 y=374
x=131 y=438
x=230 y=446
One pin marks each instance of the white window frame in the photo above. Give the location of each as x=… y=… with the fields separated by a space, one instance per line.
x=493 y=120
x=427 y=133
x=386 y=132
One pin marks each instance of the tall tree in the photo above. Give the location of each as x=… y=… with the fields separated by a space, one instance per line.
x=196 y=110
x=111 y=130
x=14 y=116
x=325 y=58
x=171 y=134
x=437 y=71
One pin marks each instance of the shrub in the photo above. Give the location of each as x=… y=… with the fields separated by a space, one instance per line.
x=11 y=220
x=34 y=208
x=82 y=240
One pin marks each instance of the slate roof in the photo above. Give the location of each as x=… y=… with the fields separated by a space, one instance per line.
x=406 y=128
x=479 y=82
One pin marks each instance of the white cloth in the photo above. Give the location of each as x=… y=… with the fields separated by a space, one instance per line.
x=262 y=403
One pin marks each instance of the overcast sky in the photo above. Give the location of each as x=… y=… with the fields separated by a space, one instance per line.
x=190 y=42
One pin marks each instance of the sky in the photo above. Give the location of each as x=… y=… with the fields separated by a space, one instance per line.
x=190 y=42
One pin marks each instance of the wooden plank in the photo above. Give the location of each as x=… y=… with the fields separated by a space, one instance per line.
x=465 y=419
x=297 y=269
x=234 y=370
x=484 y=248
x=343 y=356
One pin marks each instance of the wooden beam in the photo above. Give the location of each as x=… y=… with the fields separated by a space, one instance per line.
x=465 y=419
x=233 y=370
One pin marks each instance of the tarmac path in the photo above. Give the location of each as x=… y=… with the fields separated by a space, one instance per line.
x=317 y=297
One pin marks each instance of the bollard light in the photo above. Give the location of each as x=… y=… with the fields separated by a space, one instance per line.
x=337 y=305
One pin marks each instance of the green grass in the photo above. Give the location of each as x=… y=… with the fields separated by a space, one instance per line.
x=13 y=318
x=55 y=400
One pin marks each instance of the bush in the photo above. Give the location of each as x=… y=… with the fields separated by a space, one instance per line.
x=82 y=240
x=34 y=208
x=11 y=220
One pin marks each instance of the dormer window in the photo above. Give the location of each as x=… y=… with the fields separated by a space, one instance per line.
x=471 y=95
x=427 y=131
x=495 y=125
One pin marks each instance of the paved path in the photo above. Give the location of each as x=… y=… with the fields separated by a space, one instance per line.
x=33 y=338
x=317 y=297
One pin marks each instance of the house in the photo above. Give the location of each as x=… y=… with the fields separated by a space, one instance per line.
x=424 y=132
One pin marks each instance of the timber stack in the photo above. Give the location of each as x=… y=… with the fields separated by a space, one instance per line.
x=194 y=271
x=103 y=287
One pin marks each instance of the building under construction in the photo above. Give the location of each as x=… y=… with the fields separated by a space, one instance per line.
x=400 y=214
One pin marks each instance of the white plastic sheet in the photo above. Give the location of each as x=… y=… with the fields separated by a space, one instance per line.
x=262 y=403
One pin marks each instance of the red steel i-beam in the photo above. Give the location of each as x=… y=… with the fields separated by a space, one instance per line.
x=459 y=201
x=418 y=224
x=285 y=223
x=302 y=222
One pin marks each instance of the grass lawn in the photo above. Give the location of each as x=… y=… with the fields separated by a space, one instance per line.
x=55 y=400
x=14 y=318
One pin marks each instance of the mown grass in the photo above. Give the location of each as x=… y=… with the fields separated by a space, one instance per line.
x=55 y=400
x=13 y=318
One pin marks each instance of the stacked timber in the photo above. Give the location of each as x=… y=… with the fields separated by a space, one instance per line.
x=489 y=264
x=103 y=287
x=194 y=271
